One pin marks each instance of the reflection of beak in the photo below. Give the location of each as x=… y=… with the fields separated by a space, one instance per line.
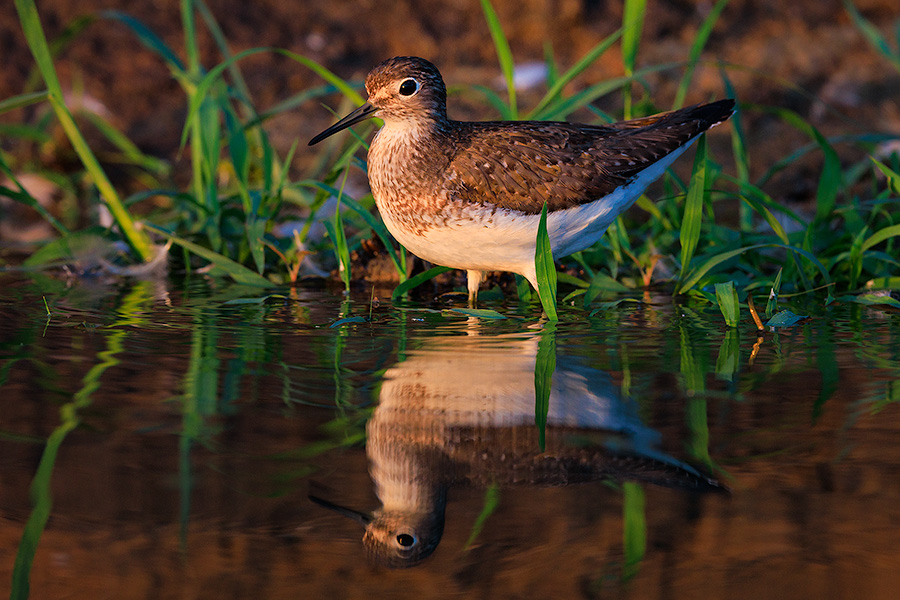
x=360 y=114
x=360 y=517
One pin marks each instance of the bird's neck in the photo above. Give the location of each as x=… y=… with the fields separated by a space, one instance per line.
x=405 y=153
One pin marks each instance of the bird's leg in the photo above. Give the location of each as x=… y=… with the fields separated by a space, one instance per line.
x=474 y=279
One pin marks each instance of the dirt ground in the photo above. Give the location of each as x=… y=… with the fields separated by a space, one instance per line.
x=806 y=56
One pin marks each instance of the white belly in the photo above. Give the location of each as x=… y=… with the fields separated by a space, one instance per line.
x=486 y=239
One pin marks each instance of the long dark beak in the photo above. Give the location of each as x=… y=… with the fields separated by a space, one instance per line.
x=360 y=517
x=360 y=114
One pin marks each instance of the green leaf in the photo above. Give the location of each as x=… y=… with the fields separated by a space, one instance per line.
x=348 y=320
x=729 y=356
x=148 y=38
x=893 y=178
x=693 y=208
x=831 y=179
x=696 y=274
x=727 y=299
x=491 y=501
x=236 y=271
x=523 y=289
x=545 y=268
x=22 y=101
x=700 y=39
x=544 y=366
x=603 y=306
x=37 y=43
x=601 y=282
x=634 y=528
x=873 y=35
x=371 y=220
x=785 y=318
x=504 y=54
x=772 y=302
x=632 y=26
x=871 y=299
x=557 y=86
x=881 y=235
x=417 y=280
x=335 y=231
x=259 y=300
x=481 y=313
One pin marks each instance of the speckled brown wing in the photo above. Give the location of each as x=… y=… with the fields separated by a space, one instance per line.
x=521 y=165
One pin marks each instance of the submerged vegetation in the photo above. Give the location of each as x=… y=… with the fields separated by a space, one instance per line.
x=246 y=215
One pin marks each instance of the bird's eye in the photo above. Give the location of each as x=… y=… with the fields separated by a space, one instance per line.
x=405 y=540
x=409 y=87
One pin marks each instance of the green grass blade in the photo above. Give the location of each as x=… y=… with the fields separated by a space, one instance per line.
x=830 y=181
x=342 y=86
x=727 y=299
x=416 y=281
x=634 y=528
x=545 y=268
x=696 y=49
x=218 y=35
x=694 y=276
x=129 y=149
x=561 y=108
x=149 y=39
x=759 y=201
x=494 y=100
x=772 y=302
x=632 y=26
x=873 y=35
x=881 y=235
x=892 y=177
x=236 y=271
x=693 y=207
x=201 y=91
x=22 y=101
x=339 y=240
x=559 y=83
x=544 y=366
x=729 y=355
x=37 y=43
x=491 y=501
x=371 y=220
x=22 y=196
x=504 y=54
x=601 y=282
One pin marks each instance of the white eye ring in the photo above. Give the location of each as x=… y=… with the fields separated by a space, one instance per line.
x=406 y=540
x=409 y=87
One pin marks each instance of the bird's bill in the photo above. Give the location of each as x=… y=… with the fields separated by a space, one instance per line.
x=358 y=516
x=360 y=114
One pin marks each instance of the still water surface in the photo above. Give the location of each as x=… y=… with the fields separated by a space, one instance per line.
x=165 y=440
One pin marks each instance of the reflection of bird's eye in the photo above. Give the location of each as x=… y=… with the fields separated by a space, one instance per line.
x=406 y=540
x=409 y=87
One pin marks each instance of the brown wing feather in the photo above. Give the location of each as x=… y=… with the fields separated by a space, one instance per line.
x=521 y=165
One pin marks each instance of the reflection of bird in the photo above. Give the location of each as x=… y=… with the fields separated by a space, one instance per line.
x=469 y=195
x=460 y=411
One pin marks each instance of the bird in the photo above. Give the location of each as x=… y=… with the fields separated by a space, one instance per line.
x=428 y=434
x=469 y=194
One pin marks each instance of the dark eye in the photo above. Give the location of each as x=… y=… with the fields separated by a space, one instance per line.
x=409 y=87
x=404 y=539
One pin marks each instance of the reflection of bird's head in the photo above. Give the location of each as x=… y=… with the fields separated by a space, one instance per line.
x=395 y=539
x=399 y=540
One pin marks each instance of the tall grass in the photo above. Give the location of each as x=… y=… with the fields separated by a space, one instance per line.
x=241 y=188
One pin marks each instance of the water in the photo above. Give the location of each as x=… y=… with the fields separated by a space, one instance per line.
x=162 y=441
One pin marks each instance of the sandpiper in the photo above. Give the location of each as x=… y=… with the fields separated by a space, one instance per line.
x=469 y=195
x=429 y=434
